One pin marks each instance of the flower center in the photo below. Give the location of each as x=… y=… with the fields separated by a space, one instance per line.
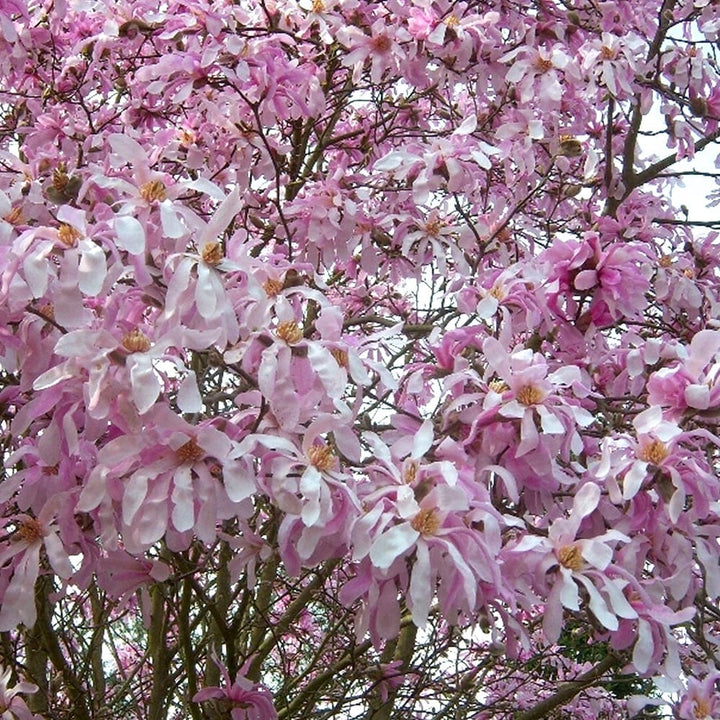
x=381 y=44
x=60 y=178
x=451 y=21
x=14 y=217
x=272 y=287
x=529 y=395
x=702 y=709
x=498 y=386
x=665 y=261
x=654 y=452
x=341 y=356
x=426 y=522
x=607 y=53
x=136 y=341
x=497 y=292
x=433 y=227
x=48 y=311
x=30 y=530
x=570 y=557
x=543 y=64
x=153 y=191
x=68 y=235
x=318 y=6
x=190 y=452
x=321 y=457
x=212 y=253
x=289 y=331
x=410 y=472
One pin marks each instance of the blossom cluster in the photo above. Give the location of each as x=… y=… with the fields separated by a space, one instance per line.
x=387 y=291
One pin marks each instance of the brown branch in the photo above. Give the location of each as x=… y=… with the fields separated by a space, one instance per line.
x=568 y=690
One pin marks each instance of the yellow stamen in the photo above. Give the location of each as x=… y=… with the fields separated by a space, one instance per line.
x=153 y=191
x=654 y=452
x=30 y=531
x=529 y=395
x=136 y=341
x=212 y=253
x=570 y=557
x=426 y=522
x=190 y=452
x=68 y=235
x=290 y=332
x=321 y=457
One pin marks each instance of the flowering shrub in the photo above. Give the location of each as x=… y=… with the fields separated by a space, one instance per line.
x=357 y=358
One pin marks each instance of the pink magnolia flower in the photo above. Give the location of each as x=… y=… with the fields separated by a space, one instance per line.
x=381 y=48
x=530 y=391
x=691 y=383
x=702 y=700
x=579 y=563
x=242 y=699
x=537 y=72
x=610 y=277
x=30 y=536
x=13 y=707
x=443 y=548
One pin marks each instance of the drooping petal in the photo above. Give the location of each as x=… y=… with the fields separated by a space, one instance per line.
x=421 y=585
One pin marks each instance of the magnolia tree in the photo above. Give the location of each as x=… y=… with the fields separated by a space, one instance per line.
x=356 y=361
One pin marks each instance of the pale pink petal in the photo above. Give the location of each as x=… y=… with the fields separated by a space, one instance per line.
x=130 y=234
x=136 y=489
x=697 y=396
x=391 y=544
x=188 y=395
x=57 y=555
x=421 y=585
x=598 y=606
x=586 y=500
x=644 y=647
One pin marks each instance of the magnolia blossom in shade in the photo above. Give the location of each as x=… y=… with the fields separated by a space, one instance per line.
x=241 y=699
x=12 y=706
